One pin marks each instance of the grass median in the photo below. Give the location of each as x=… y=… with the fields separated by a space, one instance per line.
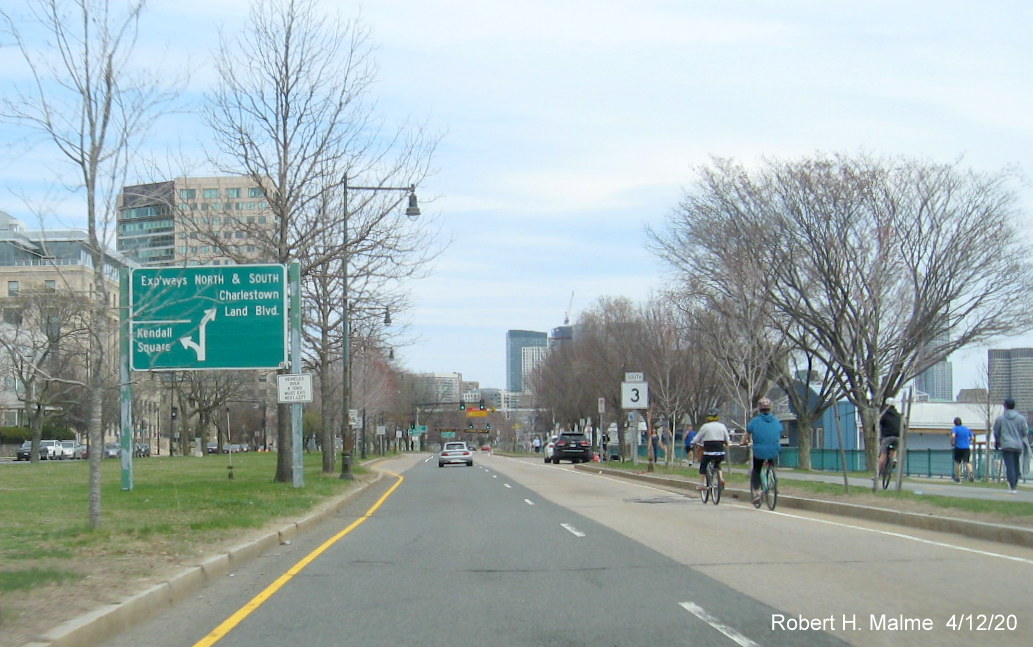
x=1004 y=511
x=179 y=508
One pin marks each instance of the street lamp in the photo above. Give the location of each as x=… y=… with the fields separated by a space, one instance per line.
x=412 y=212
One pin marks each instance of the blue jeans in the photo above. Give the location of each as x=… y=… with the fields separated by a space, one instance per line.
x=1011 y=466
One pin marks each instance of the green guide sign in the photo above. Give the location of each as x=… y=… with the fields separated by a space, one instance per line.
x=208 y=317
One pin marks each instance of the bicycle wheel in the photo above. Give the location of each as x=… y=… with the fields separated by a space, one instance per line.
x=771 y=487
x=715 y=484
x=704 y=494
x=755 y=495
x=887 y=472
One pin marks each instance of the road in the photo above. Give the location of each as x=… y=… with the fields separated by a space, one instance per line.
x=516 y=552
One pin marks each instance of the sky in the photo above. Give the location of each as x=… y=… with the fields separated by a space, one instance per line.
x=569 y=127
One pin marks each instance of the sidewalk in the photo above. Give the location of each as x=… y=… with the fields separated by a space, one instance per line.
x=1003 y=533
x=922 y=485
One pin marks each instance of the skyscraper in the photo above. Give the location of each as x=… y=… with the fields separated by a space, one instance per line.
x=1011 y=376
x=937 y=382
x=516 y=341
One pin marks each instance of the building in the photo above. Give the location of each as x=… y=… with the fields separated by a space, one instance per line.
x=1011 y=376
x=937 y=382
x=197 y=221
x=561 y=335
x=531 y=357
x=516 y=341
x=439 y=387
x=37 y=269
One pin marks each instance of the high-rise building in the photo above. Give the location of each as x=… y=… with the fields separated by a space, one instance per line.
x=530 y=358
x=937 y=382
x=561 y=335
x=196 y=221
x=1011 y=376
x=516 y=341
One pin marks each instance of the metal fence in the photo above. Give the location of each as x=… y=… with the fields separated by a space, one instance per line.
x=920 y=462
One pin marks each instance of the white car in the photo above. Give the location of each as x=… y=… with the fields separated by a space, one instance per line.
x=67 y=450
x=549 y=449
x=51 y=450
x=455 y=452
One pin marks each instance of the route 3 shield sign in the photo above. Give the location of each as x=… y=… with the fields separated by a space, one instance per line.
x=634 y=395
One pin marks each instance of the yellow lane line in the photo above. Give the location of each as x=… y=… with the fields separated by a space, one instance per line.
x=230 y=623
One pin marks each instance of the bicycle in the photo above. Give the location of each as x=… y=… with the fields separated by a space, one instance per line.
x=768 y=486
x=889 y=467
x=713 y=487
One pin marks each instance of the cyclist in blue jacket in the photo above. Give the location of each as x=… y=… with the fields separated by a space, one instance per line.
x=764 y=431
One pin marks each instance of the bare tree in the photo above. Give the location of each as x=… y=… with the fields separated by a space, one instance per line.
x=42 y=342
x=291 y=112
x=93 y=102
x=886 y=266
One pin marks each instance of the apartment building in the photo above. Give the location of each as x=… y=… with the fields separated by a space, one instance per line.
x=194 y=221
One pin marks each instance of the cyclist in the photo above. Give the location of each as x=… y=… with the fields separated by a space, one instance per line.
x=889 y=432
x=765 y=432
x=961 y=441
x=713 y=438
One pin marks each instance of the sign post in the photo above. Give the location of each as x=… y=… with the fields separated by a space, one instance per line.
x=635 y=397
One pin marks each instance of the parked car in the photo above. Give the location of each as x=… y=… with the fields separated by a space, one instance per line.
x=549 y=448
x=82 y=451
x=231 y=448
x=213 y=448
x=112 y=450
x=24 y=452
x=573 y=447
x=50 y=450
x=455 y=452
x=66 y=450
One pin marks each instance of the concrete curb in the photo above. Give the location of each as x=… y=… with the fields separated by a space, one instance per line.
x=107 y=621
x=976 y=529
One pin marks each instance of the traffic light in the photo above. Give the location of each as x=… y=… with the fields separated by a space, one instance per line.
x=175 y=413
x=487 y=426
x=482 y=404
x=469 y=425
x=462 y=405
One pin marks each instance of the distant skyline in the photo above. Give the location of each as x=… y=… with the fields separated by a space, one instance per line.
x=567 y=127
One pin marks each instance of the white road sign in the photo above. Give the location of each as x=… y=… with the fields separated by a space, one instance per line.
x=293 y=388
x=634 y=395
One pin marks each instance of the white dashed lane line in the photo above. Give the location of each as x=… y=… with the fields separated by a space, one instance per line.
x=700 y=613
x=572 y=530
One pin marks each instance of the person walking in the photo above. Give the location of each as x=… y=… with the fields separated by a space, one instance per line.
x=1010 y=431
x=961 y=441
x=690 y=435
x=764 y=432
x=536 y=442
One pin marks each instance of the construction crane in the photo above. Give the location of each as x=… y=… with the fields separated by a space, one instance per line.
x=566 y=316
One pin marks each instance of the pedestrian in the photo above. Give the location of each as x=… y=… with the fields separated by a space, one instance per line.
x=1010 y=430
x=765 y=433
x=654 y=446
x=961 y=441
x=690 y=435
x=537 y=444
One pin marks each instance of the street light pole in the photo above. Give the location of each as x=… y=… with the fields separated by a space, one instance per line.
x=412 y=212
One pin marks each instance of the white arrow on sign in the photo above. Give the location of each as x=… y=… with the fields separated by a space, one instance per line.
x=200 y=348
